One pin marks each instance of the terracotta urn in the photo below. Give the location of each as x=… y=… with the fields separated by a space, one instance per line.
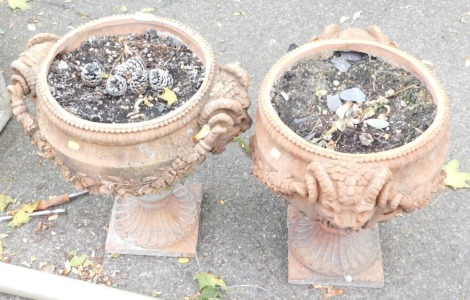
x=336 y=199
x=142 y=163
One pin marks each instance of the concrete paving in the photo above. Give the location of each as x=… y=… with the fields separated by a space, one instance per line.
x=244 y=240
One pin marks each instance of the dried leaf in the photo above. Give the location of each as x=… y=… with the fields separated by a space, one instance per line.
x=156 y=294
x=147 y=10
x=20 y=218
x=4 y=201
x=169 y=96
x=333 y=292
x=78 y=260
x=368 y=112
x=357 y=15
x=124 y=8
x=19 y=4
x=455 y=178
x=127 y=50
x=343 y=19
x=377 y=123
x=429 y=63
x=53 y=217
x=183 y=260
x=341 y=111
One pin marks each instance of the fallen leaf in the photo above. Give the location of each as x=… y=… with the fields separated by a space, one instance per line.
x=4 y=201
x=42 y=264
x=124 y=8
x=78 y=260
x=377 y=123
x=343 y=19
x=19 y=4
x=169 y=96
x=209 y=293
x=222 y=202
x=148 y=10
x=30 y=207
x=183 y=260
x=31 y=27
x=429 y=63
x=467 y=61
x=156 y=294
x=20 y=218
x=455 y=178
x=357 y=15
x=333 y=292
x=209 y=280
x=53 y=217
x=127 y=50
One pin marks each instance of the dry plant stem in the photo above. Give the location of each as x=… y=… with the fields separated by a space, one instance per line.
x=252 y=286
x=400 y=91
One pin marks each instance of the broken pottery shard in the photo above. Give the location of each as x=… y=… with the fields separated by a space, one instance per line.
x=340 y=64
x=333 y=102
x=352 y=55
x=353 y=94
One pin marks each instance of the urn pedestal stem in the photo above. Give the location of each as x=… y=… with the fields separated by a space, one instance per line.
x=164 y=224
x=322 y=257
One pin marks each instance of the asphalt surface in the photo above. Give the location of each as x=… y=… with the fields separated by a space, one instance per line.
x=244 y=240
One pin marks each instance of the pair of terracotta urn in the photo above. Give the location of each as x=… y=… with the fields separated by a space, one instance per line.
x=336 y=199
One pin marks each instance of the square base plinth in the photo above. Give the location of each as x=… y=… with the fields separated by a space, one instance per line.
x=185 y=247
x=373 y=277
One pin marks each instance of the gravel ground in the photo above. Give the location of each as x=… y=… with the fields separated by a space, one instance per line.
x=244 y=240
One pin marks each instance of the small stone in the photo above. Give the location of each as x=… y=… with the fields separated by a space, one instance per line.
x=325 y=112
x=353 y=94
x=292 y=47
x=62 y=65
x=352 y=55
x=335 y=82
x=340 y=63
x=366 y=139
x=284 y=95
x=333 y=102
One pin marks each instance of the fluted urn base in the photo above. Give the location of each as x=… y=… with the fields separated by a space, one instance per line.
x=322 y=257
x=165 y=224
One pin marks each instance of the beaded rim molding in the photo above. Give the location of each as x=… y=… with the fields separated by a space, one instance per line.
x=182 y=31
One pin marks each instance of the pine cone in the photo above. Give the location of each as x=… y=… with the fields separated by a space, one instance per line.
x=116 y=85
x=139 y=82
x=91 y=74
x=136 y=63
x=123 y=70
x=160 y=79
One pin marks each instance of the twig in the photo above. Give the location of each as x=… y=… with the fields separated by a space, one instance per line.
x=252 y=286
x=402 y=90
x=438 y=198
